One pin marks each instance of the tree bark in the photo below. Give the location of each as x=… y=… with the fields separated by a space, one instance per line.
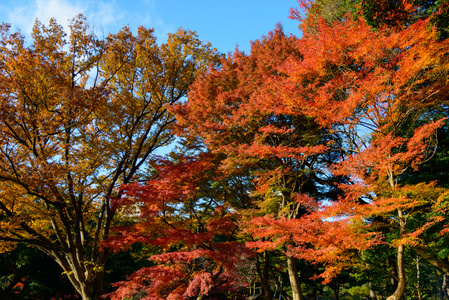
x=418 y=277
x=264 y=276
x=444 y=287
x=372 y=293
x=437 y=278
x=337 y=292
x=266 y=269
x=400 y=261
x=401 y=275
x=86 y=278
x=294 y=278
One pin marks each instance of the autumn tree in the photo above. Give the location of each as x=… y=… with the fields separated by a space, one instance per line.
x=237 y=111
x=79 y=117
x=373 y=87
x=344 y=92
x=379 y=14
x=183 y=213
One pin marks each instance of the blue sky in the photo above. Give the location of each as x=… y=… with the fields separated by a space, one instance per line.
x=223 y=23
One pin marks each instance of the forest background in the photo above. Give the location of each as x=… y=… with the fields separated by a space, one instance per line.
x=310 y=166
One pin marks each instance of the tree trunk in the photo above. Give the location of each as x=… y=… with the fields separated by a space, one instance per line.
x=266 y=269
x=86 y=277
x=315 y=294
x=336 y=291
x=437 y=278
x=401 y=276
x=372 y=293
x=444 y=287
x=264 y=276
x=418 y=278
x=293 y=212
x=400 y=263
x=294 y=278
x=91 y=290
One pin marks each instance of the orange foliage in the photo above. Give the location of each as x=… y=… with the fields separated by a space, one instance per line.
x=372 y=87
x=365 y=90
x=78 y=117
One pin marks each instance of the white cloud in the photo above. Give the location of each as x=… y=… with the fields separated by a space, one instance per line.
x=150 y=18
x=105 y=16
x=24 y=17
x=63 y=11
x=100 y=14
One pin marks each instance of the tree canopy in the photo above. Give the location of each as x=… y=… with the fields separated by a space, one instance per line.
x=314 y=164
x=79 y=117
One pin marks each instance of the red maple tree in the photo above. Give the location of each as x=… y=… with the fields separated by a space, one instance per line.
x=237 y=110
x=373 y=88
x=342 y=89
x=178 y=213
